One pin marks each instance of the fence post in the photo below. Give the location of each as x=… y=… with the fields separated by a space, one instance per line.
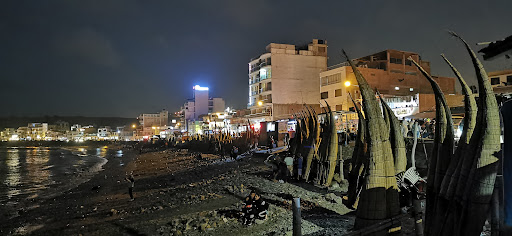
x=296 y=217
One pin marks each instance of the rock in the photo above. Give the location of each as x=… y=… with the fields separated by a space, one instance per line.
x=113 y=212
x=337 y=177
x=333 y=198
x=174 y=223
x=187 y=225
x=203 y=226
x=258 y=221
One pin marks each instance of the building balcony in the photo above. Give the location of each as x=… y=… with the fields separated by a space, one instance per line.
x=257 y=67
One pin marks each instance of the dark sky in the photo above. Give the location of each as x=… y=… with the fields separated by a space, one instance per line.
x=125 y=57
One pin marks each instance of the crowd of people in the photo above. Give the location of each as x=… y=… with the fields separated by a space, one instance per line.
x=426 y=127
x=286 y=166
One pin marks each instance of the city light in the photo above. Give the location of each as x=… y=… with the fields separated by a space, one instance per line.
x=397 y=88
x=199 y=88
x=133 y=126
x=260 y=103
x=347 y=83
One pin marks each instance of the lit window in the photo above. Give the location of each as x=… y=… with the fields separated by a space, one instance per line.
x=263 y=73
x=411 y=89
x=397 y=88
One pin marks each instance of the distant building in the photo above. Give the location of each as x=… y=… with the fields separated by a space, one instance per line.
x=200 y=105
x=152 y=123
x=389 y=72
x=501 y=79
x=104 y=132
x=501 y=82
x=7 y=134
x=285 y=78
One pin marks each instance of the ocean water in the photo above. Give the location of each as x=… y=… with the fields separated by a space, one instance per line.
x=33 y=173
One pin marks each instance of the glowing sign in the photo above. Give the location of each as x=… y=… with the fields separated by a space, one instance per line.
x=405 y=111
x=199 y=88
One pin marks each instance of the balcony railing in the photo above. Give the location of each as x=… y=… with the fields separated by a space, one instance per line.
x=257 y=67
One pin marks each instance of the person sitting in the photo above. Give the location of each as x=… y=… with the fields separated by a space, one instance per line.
x=254 y=208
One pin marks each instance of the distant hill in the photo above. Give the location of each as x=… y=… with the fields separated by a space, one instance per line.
x=15 y=122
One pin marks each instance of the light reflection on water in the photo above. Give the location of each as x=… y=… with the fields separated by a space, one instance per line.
x=30 y=172
x=12 y=178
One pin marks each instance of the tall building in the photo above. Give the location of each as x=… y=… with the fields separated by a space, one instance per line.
x=285 y=78
x=389 y=72
x=199 y=106
x=152 y=123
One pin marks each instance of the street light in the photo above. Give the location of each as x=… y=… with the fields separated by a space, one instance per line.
x=133 y=126
x=260 y=103
x=347 y=83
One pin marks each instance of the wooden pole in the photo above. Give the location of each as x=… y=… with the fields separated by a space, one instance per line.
x=297 y=231
x=415 y=134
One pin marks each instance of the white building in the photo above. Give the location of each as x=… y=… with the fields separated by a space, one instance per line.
x=284 y=78
x=201 y=105
x=104 y=132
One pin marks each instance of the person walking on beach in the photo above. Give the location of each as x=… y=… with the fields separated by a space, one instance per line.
x=131 y=182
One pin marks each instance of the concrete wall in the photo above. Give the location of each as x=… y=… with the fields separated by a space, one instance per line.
x=295 y=78
x=189 y=110
x=286 y=111
x=428 y=103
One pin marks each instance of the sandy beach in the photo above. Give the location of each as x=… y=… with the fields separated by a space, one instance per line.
x=177 y=193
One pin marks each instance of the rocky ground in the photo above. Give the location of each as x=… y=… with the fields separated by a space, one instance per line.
x=178 y=193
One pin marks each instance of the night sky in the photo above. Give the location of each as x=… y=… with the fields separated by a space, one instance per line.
x=126 y=57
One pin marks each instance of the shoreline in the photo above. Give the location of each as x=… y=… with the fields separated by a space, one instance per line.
x=19 y=224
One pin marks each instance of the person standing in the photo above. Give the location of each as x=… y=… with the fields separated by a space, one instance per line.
x=131 y=181
x=299 y=165
x=289 y=164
